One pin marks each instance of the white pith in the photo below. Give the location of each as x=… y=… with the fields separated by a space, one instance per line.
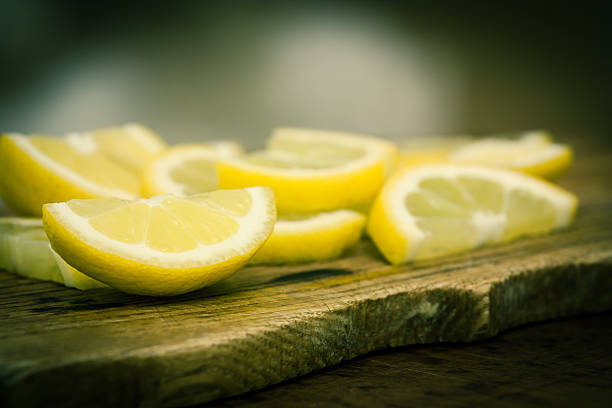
x=144 y=138
x=84 y=143
x=225 y=148
x=64 y=172
x=375 y=151
x=322 y=221
x=490 y=226
x=251 y=233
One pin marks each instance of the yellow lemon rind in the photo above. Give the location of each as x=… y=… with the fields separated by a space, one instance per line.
x=323 y=237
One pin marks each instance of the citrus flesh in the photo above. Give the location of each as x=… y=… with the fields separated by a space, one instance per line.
x=25 y=250
x=309 y=238
x=187 y=169
x=313 y=170
x=106 y=163
x=433 y=210
x=164 y=245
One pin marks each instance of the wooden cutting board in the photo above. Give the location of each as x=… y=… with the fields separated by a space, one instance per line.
x=63 y=347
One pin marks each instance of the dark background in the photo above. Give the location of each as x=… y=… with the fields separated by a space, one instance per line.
x=210 y=70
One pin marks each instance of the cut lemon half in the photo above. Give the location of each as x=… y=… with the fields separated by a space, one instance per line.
x=311 y=238
x=313 y=170
x=25 y=250
x=163 y=245
x=41 y=169
x=533 y=153
x=434 y=210
x=187 y=169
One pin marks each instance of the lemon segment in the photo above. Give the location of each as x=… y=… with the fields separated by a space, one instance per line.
x=313 y=170
x=311 y=238
x=132 y=145
x=103 y=163
x=182 y=245
x=187 y=169
x=25 y=250
x=533 y=153
x=433 y=210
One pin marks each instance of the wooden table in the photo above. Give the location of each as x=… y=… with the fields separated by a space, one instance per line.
x=266 y=325
x=563 y=363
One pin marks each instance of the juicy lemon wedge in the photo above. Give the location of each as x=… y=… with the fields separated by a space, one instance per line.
x=163 y=245
x=187 y=169
x=131 y=145
x=311 y=238
x=434 y=210
x=533 y=153
x=41 y=169
x=313 y=170
x=25 y=250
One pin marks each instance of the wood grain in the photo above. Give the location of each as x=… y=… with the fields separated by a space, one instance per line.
x=63 y=347
x=562 y=363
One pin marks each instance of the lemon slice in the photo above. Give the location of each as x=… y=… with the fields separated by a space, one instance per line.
x=40 y=169
x=163 y=245
x=187 y=169
x=533 y=153
x=132 y=145
x=313 y=170
x=430 y=148
x=310 y=238
x=25 y=250
x=433 y=210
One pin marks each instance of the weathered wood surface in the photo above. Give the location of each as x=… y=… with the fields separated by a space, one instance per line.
x=62 y=347
x=560 y=363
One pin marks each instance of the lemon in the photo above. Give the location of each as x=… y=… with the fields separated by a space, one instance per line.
x=41 y=169
x=25 y=250
x=163 y=245
x=430 y=148
x=187 y=169
x=432 y=210
x=132 y=145
x=313 y=170
x=310 y=238
x=533 y=153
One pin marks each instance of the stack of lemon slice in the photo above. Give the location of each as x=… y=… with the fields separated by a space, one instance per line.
x=213 y=208
x=318 y=175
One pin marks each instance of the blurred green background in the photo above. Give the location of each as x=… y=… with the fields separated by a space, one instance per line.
x=211 y=70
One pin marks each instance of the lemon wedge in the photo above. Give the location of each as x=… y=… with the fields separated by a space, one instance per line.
x=533 y=153
x=433 y=210
x=430 y=148
x=313 y=170
x=163 y=245
x=187 y=169
x=309 y=238
x=25 y=250
x=41 y=169
x=132 y=145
